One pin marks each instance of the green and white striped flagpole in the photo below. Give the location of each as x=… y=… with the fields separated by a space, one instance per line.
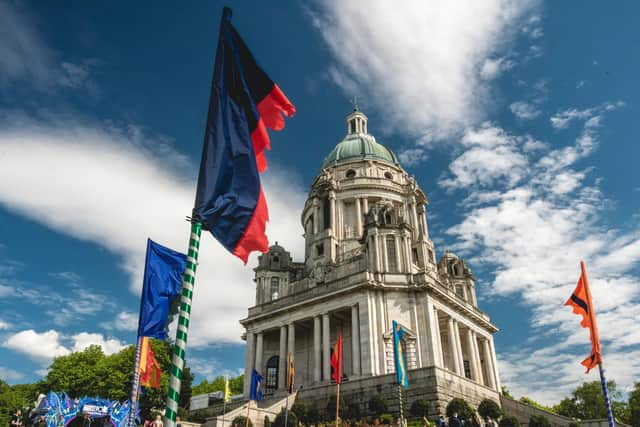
x=179 y=349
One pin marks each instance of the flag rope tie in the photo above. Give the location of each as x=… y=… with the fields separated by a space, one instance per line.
x=178 y=357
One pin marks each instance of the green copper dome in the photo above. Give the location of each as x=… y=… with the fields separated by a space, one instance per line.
x=359 y=146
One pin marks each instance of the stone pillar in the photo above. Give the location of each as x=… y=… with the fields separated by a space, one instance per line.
x=373 y=333
x=326 y=348
x=491 y=381
x=472 y=356
x=258 y=365
x=459 y=347
x=317 y=349
x=282 y=362
x=399 y=259
x=355 y=341
x=316 y=219
x=385 y=259
x=476 y=352
x=332 y=213
x=431 y=346
x=439 y=352
x=376 y=246
x=365 y=205
x=358 y=231
x=249 y=358
x=340 y=222
x=414 y=217
x=453 y=346
x=494 y=362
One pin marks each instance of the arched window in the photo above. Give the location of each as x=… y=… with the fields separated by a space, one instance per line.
x=350 y=173
x=391 y=254
x=271 y=379
x=275 y=288
x=388 y=175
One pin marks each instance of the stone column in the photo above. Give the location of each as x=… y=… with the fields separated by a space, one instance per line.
x=376 y=247
x=365 y=205
x=399 y=259
x=414 y=216
x=472 y=356
x=249 y=358
x=489 y=364
x=317 y=349
x=494 y=362
x=340 y=222
x=385 y=259
x=316 y=219
x=332 y=213
x=326 y=348
x=258 y=365
x=431 y=345
x=476 y=352
x=282 y=362
x=438 y=342
x=453 y=346
x=358 y=218
x=459 y=347
x=355 y=341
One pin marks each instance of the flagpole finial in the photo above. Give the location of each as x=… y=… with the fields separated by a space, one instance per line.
x=227 y=13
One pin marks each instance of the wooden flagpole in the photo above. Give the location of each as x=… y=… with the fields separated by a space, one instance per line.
x=338 y=405
x=596 y=339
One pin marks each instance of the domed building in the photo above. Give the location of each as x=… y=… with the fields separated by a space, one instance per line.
x=368 y=261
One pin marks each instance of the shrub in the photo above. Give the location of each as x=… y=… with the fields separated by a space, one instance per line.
x=267 y=421
x=539 y=421
x=331 y=408
x=353 y=411
x=292 y=419
x=489 y=408
x=240 y=421
x=461 y=407
x=419 y=408
x=378 y=405
x=509 y=421
x=574 y=424
x=313 y=415
x=301 y=412
x=386 y=419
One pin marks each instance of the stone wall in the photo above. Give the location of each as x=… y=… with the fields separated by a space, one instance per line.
x=435 y=385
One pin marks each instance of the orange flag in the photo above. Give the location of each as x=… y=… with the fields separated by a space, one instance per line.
x=336 y=361
x=580 y=301
x=149 y=368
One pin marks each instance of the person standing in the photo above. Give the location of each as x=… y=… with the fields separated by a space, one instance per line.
x=16 y=419
x=157 y=422
x=441 y=421
x=454 y=421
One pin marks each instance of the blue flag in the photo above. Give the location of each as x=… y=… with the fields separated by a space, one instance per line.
x=161 y=285
x=244 y=102
x=399 y=356
x=256 y=386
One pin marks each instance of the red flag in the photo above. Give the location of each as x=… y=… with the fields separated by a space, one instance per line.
x=149 y=367
x=580 y=301
x=336 y=361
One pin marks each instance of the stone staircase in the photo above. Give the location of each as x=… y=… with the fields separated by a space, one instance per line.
x=269 y=407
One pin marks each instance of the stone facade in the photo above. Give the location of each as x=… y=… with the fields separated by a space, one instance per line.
x=368 y=261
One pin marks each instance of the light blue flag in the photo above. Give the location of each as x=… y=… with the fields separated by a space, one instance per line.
x=398 y=355
x=162 y=282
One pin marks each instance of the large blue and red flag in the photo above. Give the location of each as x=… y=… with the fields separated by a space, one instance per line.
x=244 y=102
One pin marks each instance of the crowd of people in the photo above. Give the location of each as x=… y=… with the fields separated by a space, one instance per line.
x=474 y=421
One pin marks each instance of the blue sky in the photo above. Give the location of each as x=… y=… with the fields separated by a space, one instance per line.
x=519 y=120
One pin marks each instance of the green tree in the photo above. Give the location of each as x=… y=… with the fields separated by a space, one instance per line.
x=331 y=408
x=489 y=408
x=419 y=408
x=505 y=392
x=301 y=412
x=76 y=373
x=460 y=406
x=292 y=419
x=587 y=402
x=539 y=421
x=240 y=421
x=634 y=406
x=378 y=405
x=509 y=421
x=532 y=402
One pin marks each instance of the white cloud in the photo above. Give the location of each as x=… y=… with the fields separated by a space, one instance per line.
x=107 y=186
x=412 y=156
x=5 y=291
x=124 y=321
x=425 y=61
x=562 y=119
x=41 y=346
x=524 y=110
x=9 y=374
x=85 y=339
x=4 y=325
x=533 y=235
x=492 y=155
